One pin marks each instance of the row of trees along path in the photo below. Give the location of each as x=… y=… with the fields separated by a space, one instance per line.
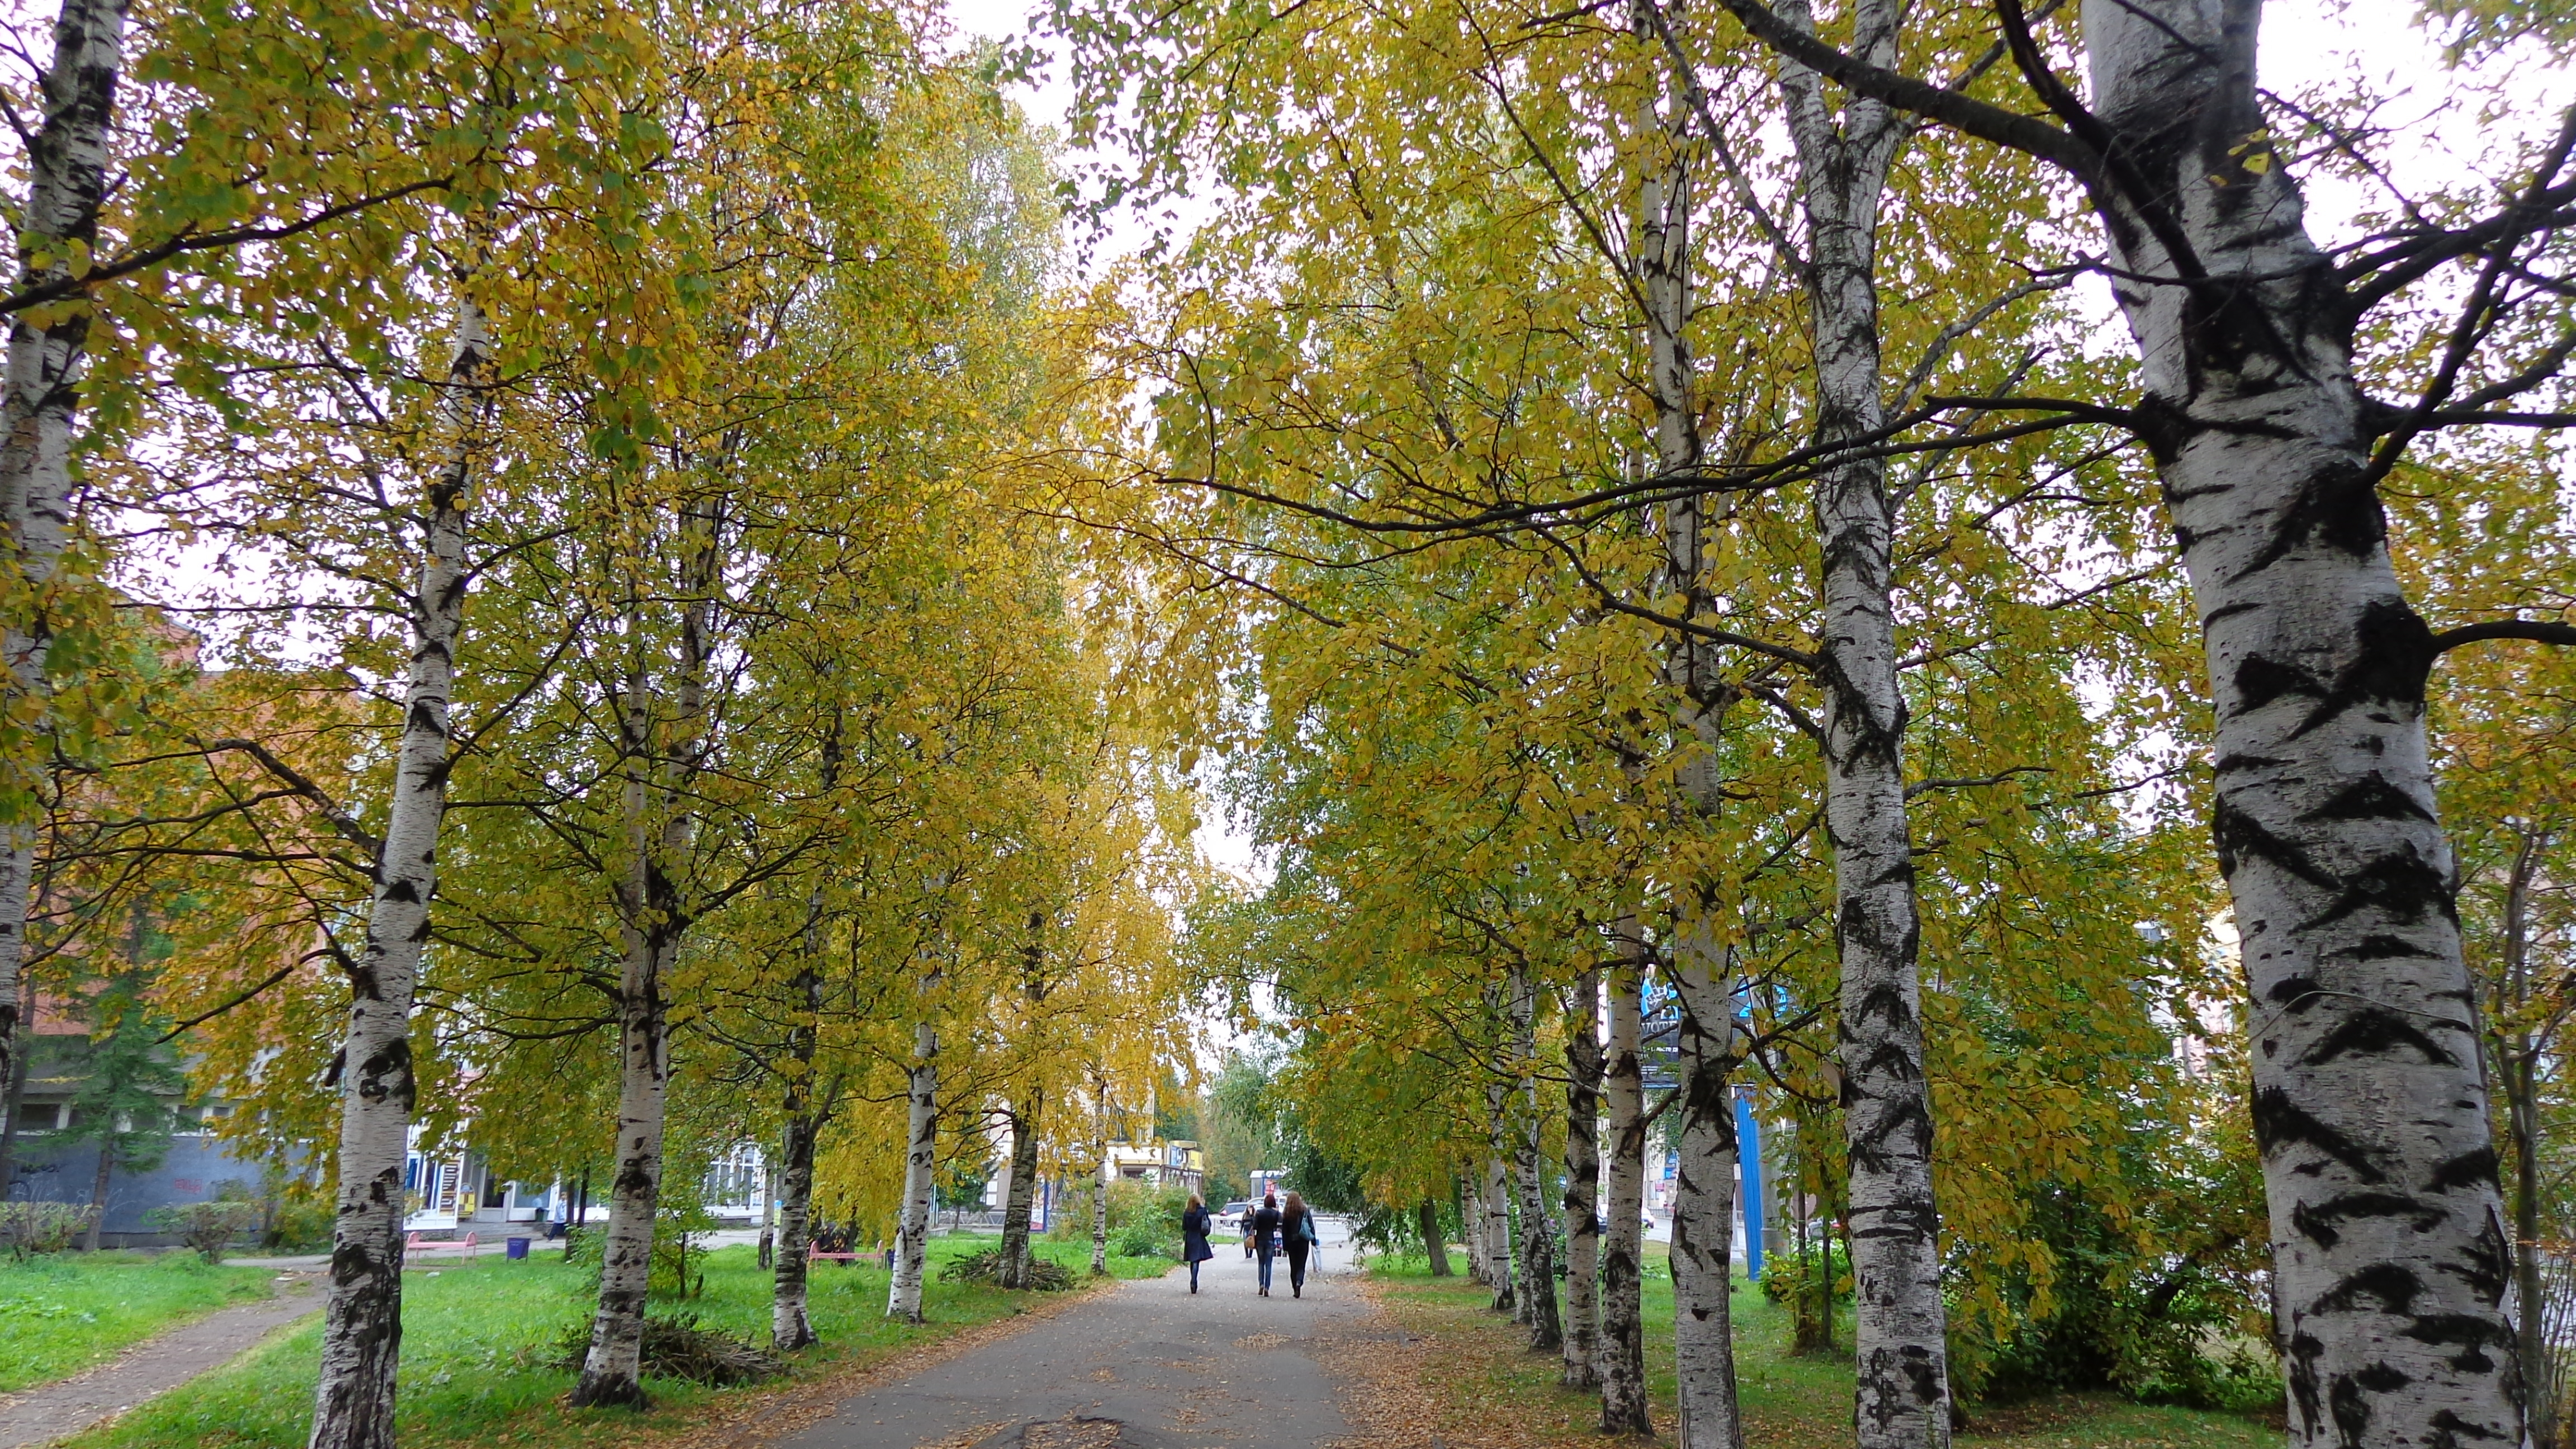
x=588 y=570
x=615 y=664
x=1542 y=632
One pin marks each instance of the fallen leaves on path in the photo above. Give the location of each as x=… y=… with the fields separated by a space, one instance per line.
x=1419 y=1378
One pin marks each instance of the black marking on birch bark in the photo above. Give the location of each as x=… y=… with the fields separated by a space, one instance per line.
x=2303 y=1354
x=2371 y=797
x=1910 y=1218
x=401 y=889
x=2472 y=1333
x=2351 y=1411
x=1919 y=1375
x=2405 y=885
x=1882 y=1000
x=2296 y=994
x=2227 y=611
x=2231 y=763
x=1891 y=1060
x=2280 y=1123
x=1873 y=1151
x=2397 y=652
x=2392 y=1286
x=2448 y=1427
x=2318 y=1221
x=2336 y=506
x=2382 y=948
x=2472 y=1169
x=2375 y=1031
x=2239 y=836
x=2229 y=327
x=2259 y=681
x=2490 y=1264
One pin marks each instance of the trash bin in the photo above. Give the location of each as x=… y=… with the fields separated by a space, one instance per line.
x=514 y=1248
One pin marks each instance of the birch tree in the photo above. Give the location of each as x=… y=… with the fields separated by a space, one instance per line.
x=1583 y=1183
x=362 y=1317
x=67 y=160
x=1624 y=1407
x=1899 y=1325
x=2325 y=819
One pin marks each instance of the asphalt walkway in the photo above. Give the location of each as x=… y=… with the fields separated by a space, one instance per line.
x=1145 y=1365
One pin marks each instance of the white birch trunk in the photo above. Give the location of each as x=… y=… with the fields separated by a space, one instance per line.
x=612 y=1371
x=1704 y=1200
x=1493 y=1198
x=353 y=1398
x=1102 y=1174
x=1703 y=1347
x=2391 y=1259
x=790 y=1327
x=67 y=175
x=652 y=921
x=1471 y=1210
x=1583 y=1184
x=1537 y=1262
x=1899 y=1324
x=912 y=1228
x=1624 y=1404
x=1022 y=1189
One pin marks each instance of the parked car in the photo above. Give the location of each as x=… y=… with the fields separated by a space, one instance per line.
x=1229 y=1218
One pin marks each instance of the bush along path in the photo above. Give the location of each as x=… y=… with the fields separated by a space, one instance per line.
x=150 y=1368
x=1457 y=1375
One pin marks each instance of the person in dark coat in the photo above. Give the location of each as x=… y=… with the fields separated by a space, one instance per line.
x=1265 y=1236
x=1297 y=1222
x=1195 y=1223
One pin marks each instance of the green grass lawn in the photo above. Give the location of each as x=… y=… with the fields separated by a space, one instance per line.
x=477 y=1339
x=62 y=1312
x=1791 y=1401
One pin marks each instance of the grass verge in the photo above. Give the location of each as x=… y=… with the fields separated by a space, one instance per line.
x=1473 y=1380
x=476 y=1338
x=61 y=1313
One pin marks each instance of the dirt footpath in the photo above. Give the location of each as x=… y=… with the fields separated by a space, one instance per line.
x=155 y=1366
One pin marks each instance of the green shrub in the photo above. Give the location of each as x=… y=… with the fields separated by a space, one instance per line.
x=2157 y=1327
x=29 y=1228
x=208 y=1227
x=1792 y=1277
x=1142 y=1240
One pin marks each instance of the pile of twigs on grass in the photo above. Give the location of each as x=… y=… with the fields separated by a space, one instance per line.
x=986 y=1267
x=682 y=1348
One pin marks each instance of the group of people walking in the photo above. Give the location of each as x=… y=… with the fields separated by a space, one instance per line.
x=1268 y=1230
